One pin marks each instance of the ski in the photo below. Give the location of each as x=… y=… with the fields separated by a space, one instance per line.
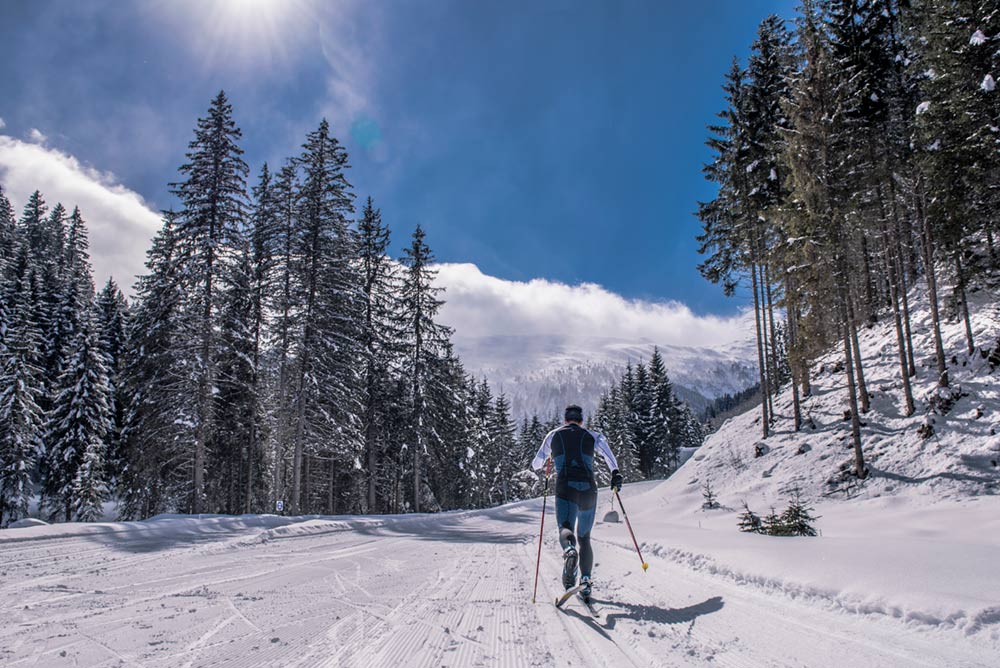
x=568 y=594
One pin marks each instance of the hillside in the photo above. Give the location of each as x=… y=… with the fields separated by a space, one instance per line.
x=958 y=461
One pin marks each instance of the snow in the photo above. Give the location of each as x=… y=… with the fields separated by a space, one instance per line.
x=27 y=522
x=977 y=38
x=988 y=84
x=454 y=589
x=923 y=107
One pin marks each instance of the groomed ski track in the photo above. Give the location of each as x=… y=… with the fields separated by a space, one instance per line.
x=443 y=590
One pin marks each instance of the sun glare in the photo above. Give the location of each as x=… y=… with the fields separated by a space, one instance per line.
x=242 y=33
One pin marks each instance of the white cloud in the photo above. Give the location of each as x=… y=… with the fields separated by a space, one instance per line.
x=478 y=305
x=121 y=223
x=37 y=136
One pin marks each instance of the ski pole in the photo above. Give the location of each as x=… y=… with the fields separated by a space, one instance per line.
x=632 y=533
x=545 y=497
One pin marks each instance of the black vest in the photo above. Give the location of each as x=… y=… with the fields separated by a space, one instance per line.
x=573 y=456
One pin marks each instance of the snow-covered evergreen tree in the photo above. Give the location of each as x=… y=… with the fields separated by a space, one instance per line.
x=212 y=197
x=161 y=411
x=326 y=387
x=426 y=340
x=111 y=319
x=78 y=429
x=20 y=415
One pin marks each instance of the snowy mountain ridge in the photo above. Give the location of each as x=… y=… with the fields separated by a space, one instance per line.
x=540 y=374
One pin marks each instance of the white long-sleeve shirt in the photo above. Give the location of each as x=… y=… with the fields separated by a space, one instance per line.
x=600 y=446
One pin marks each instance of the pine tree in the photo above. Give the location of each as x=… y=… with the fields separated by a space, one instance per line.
x=750 y=521
x=8 y=236
x=797 y=519
x=382 y=337
x=161 y=411
x=20 y=417
x=326 y=391
x=503 y=430
x=425 y=341
x=212 y=207
x=78 y=430
x=111 y=320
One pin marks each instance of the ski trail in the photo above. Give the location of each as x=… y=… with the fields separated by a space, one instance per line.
x=451 y=590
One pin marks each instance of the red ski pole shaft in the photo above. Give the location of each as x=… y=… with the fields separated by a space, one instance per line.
x=541 y=531
x=632 y=533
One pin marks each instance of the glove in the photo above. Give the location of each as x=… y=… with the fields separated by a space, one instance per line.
x=616 y=480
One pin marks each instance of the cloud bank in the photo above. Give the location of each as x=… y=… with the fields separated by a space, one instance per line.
x=121 y=223
x=478 y=305
x=122 y=226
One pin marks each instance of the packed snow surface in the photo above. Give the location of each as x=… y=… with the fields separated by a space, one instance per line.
x=890 y=583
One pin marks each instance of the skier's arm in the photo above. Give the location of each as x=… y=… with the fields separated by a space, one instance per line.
x=601 y=445
x=543 y=452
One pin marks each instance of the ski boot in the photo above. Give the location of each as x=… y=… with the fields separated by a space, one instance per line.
x=569 y=567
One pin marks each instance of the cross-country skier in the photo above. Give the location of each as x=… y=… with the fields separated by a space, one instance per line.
x=572 y=450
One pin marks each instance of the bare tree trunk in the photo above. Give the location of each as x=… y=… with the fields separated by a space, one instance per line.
x=891 y=263
x=770 y=317
x=859 y=457
x=760 y=352
x=902 y=288
x=768 y=345
x=858 y=363
x=960 y=273
x=792 y=310
x=942 y=365
x=300 y=423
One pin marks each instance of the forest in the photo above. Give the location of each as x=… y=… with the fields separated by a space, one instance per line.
x=272 y=352
x=857 y=160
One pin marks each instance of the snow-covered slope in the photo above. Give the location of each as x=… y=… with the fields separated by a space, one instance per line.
x=541 y=374
x=959 y=460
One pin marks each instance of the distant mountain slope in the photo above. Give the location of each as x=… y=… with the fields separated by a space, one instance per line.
x=541 y=374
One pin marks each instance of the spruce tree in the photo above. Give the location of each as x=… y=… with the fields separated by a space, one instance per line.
x=20 y=416
x=325 y=389
x=382 y=338
x=78 y=430
x=212 y=197
x=425 y=340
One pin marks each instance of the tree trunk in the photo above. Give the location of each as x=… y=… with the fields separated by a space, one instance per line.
x=774 y=339
x=300 y=422
x=960 y=273
x=331 y=508
x=760 y=352
x=891 y=265
x=942 y=365
x=792 y=309
x=870 y=314
x=768 y=344
x=858 y=362
x=859 y=457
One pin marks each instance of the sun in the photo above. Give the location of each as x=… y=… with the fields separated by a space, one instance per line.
x=243 y=33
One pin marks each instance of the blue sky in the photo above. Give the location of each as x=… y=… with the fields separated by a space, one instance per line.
x=555 y=140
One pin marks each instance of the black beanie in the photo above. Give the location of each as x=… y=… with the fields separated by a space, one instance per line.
x=573 y=413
